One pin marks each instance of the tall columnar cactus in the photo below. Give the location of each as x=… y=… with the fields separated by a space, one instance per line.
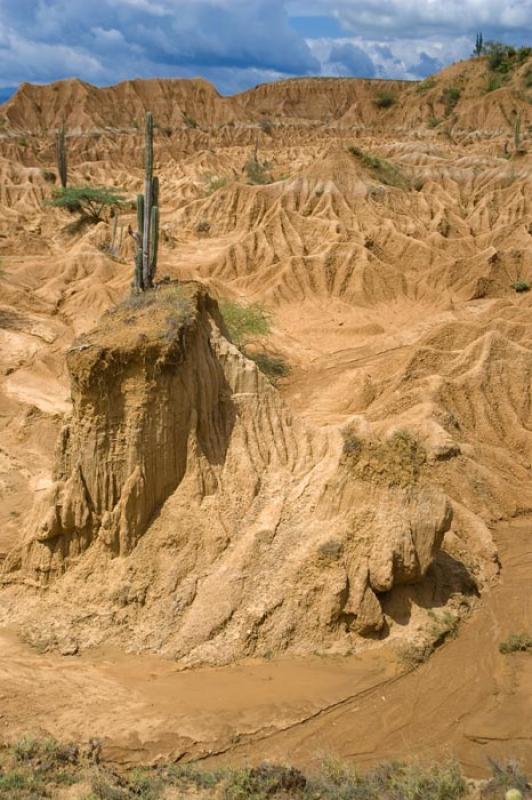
x=61 y=155
x=147 y=236
x=517 y=132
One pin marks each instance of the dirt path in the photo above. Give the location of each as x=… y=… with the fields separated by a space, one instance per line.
x=468 y=700
x=144 y=706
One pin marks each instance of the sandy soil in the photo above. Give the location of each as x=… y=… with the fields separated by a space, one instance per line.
x=468 y=701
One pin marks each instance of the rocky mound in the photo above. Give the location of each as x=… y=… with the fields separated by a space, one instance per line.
x=393 y=261
x=194 y=515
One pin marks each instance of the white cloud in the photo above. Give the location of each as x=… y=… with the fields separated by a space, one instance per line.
x=109 y=40
x=236 y=43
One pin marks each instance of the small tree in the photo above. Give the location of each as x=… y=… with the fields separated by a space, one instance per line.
x=88 y=201
x=479 y=45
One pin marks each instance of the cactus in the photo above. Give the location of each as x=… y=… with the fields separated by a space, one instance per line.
x=154 y=243
x=147 y=236
x=61 y=155
x=114 y=229
x=517 y=132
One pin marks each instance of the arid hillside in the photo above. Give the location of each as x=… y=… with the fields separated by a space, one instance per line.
x=302 y=441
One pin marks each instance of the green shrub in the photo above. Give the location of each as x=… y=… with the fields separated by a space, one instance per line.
x=426 y=85
x=516 y=643
x=11 y=782
x=433 y=122
x=385 y=99
x=262 y=782
x=396 y=461
x=506 y=775
x=495 y=82
x=382 y=169
x=48 y=175
x=338 y=781
x=413 y=654
x=503 y=58
x=274 y=367
x=450 y=96
x=444 y=625
x=88 y=201
x=499 y=56
x=521 y=286
x=190 y=775
x=352 y=444
x=244 y=321
x=258 y=173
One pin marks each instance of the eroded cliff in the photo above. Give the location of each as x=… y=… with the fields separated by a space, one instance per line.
x=193 y=515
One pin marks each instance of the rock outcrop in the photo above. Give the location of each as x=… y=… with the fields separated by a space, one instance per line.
x=193 y=515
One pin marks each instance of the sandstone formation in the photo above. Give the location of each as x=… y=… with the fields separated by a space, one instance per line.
x=193 y=508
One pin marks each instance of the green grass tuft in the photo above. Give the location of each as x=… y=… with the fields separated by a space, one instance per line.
x=426 y=85
x=258 y=173
x=516 y=643
x=383 y=170
x=244 y=321
x=385 y=99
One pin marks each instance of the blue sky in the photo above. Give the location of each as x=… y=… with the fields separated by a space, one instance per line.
x=239 y=43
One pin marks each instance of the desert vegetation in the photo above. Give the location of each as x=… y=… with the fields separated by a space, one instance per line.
x=45 y=768
x=383 y=170
x=147 y=235
x=246 y=323
x=90 y=202
x=516 y=643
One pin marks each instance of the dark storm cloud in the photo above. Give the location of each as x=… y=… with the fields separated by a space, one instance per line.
x=109 y=40
x=425 y=66
x=352 y=60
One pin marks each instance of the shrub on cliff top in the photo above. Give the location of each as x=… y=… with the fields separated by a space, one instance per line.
x=170 y=298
